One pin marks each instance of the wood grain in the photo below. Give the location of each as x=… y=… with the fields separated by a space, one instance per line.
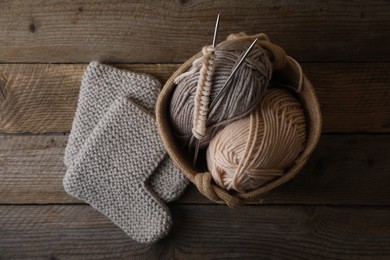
x=353 y=97
x=344 y=170
x=200 y=232
x=43 y=97
x=170 y=31
x=38 y=96
x=32 y=169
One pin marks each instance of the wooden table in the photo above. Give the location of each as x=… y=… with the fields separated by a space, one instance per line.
x=337 y=207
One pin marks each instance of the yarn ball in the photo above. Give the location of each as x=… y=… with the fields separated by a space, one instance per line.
x=255 y=150
x=244 y=92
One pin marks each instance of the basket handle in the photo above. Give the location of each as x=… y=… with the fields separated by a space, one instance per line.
x=213 y=192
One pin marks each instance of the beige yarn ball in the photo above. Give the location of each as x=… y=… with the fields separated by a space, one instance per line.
x=257 y=149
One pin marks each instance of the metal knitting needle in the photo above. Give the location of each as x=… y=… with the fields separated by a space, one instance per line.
x=196 y=140
x=219 y=95
x=216 y=31
x=196 y=152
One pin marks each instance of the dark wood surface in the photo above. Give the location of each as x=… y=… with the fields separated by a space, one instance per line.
x=337 y=207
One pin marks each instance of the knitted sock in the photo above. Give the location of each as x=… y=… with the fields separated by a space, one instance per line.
x=101 y=85
x=112 y=167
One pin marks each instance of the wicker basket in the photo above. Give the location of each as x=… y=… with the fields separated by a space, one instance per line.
x=286 y=70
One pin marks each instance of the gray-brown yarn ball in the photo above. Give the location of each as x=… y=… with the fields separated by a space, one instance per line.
x=243 y=93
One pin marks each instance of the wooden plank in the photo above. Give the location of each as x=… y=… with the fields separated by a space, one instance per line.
x=353 y=97
x=32 y=169
x=170 y=31
x=43 y=97
x=200 y=232
x=344 y=170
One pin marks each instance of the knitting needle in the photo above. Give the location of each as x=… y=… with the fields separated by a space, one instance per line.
x=224 y=85
x=196 y=140
x=231 y=75
x=215 y=31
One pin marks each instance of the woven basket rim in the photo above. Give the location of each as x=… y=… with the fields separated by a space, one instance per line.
x=311 y=106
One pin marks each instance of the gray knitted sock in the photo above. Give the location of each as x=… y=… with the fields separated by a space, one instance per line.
x=112 y=167
x=101 y=85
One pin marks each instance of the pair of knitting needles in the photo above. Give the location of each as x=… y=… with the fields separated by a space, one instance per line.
x=224 y=87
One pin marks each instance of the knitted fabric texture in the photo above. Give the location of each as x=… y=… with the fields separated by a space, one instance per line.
x=101 y=85
x=111 y=170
